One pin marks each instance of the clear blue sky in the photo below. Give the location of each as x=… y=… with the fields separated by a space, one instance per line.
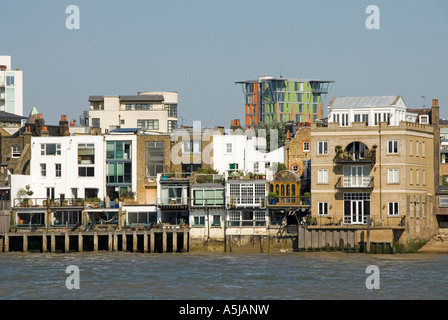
x=200 y=48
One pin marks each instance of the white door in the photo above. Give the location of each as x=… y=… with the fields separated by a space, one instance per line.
x=357 y=208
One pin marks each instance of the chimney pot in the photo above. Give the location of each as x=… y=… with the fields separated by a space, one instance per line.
x=63 y=117
x=39 y=116
x=435 y=102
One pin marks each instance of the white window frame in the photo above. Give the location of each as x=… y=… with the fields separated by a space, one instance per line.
x=306 y=146
x=322 y=176
x=393 y=209
x=43 y=169
x=322 y=208
x=322 y=147
x=229 y=148
x=393 y=176
x=58 y=171
x=16 y=151
x=392 y=146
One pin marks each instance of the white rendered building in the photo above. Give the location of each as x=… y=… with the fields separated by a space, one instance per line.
x=11 y=87
x=66 y=167
x=240 y=152
x=370 y=110
x=152 y=111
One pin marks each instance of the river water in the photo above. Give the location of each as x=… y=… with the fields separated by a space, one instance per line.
x=220 y=276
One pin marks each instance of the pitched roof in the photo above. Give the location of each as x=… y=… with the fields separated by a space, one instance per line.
x=363 y=102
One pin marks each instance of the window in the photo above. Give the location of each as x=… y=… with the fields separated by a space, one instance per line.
x=443 y=201
x=216 y=220
x=16 y=151
x=119 y=172
x=191 y=146
x=247 y=193
x=424 y=119
x=119 y=150
x=198 y=221
x=172 y=125
x=208 y=197
x=323 y=208
x=233 y=166
x=151 y=124
x=86 y=159
x=155 y=158
x=322 y=147
x=43 y=170
x=256 y=166
x=392 y=146
x=392 y=176
x=58 y=171
x=172 y=110
x=295 y=168
x=267 y=164
x=96 y=122
x=228 y=147
x=9 y=80
x=50 y=149
x=306 y=146
x=393 y=208
x=322 y=176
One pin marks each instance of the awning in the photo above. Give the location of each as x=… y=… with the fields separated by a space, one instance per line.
x=139 y=208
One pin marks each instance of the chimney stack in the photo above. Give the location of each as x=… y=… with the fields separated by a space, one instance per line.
x=39 y=123
x=63 y=126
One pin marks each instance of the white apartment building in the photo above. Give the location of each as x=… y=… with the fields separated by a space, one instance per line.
x=66 y=167
x=240 y=153
x=152 y=111
x=370 y=110
x=11 y=87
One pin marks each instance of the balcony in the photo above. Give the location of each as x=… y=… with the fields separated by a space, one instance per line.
x=362 y=157
x=354 y=182
x=172 y=202
x=246 y=202
x=45 y=203
x=207 y=202
x=277 y=201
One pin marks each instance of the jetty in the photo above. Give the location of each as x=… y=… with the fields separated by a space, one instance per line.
x=156 y=240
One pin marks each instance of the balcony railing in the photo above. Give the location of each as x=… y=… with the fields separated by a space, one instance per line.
x=350 y=220
x=351 y=182
x=209 y=178
x=367 y=156
x=288 y=201
x=207 y=202
x=244 y=202
x=172 y=201
x=45 y=202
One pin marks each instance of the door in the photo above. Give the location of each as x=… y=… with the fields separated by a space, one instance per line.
x=356 y=176
x=357 y=211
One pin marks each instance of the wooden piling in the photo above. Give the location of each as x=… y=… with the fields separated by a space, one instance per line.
x=185 y=248
x=66 y=242
x=110 y=242
x=145 y=241
x=115 y=241
x=53 y=242
x=44 y=242
x=123 y=241
x=80 y=242
x=25 y=243
x=152 y=241
x=95 y=242
x=164 y=240
x=134 y=241
x=174 y=240
x=6 y=242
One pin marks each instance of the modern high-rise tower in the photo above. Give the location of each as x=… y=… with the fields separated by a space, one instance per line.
x=11 y=87
x=270 y=99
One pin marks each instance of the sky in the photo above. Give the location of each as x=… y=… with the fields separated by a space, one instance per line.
x=201 y=48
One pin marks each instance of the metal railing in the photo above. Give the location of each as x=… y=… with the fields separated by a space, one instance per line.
x=289 y=201
x=166 y=201
x=350 y=220
x=354 y=182
x=45 y=202
x=357 y=157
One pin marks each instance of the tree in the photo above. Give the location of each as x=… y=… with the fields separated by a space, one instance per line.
x=266 y=129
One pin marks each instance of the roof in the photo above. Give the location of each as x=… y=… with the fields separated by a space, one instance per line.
x=6 y=116
x=145 y=97
x=267 y=79
x=125 y=130
x=364 y=102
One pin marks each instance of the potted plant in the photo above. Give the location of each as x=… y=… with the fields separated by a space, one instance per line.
x=307 y=196
x=25 y=193
x=273 y=197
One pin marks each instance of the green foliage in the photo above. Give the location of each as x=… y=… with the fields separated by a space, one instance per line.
x=267 y=127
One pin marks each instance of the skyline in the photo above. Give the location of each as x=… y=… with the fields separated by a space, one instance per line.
x=201 y=49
